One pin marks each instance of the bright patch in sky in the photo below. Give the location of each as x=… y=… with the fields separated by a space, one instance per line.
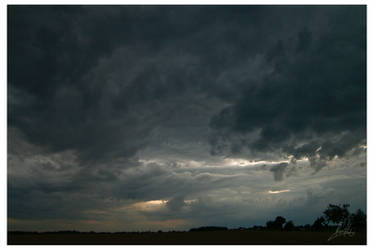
x=278 y=191
x=150 y=205
x=245 y=162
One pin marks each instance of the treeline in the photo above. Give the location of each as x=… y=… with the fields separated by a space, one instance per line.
x=333 y=217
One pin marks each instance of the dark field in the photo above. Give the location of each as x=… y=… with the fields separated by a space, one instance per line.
x=231 y=237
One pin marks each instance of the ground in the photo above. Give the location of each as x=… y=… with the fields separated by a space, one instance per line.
x=230 y=237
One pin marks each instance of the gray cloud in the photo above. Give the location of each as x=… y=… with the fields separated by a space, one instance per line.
x=278 y=171
x=176 y=203
x=315 y=95
x=205 y=108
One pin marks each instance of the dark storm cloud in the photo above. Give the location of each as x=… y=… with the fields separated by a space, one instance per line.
x=74 y=103
x=110 y=106
x=316 y=94
x=99 y=80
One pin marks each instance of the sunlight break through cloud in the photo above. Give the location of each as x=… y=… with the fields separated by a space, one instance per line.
x=278 y=191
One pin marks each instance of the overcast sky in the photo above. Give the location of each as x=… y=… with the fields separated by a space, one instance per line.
x=145 y=118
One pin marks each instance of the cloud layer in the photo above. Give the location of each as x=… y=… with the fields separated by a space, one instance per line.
x=161 y=117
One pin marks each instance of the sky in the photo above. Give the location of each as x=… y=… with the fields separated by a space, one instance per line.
x=134 y=118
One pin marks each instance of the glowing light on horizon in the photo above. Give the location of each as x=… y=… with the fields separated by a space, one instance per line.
x=244 y=162
x=153 y=205
x=278 y=191
x=156 y=202
x=149 y=205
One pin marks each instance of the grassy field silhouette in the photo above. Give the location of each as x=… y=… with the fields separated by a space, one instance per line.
x=229 y=237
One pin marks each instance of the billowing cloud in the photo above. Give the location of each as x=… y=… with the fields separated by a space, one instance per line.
x=315 y=96
x=161 y=117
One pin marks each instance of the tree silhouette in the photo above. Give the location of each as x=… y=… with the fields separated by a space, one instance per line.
x=277 y=224
x=337 y=214
x=358 y=221
x=289 y=226
x=319 y=224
